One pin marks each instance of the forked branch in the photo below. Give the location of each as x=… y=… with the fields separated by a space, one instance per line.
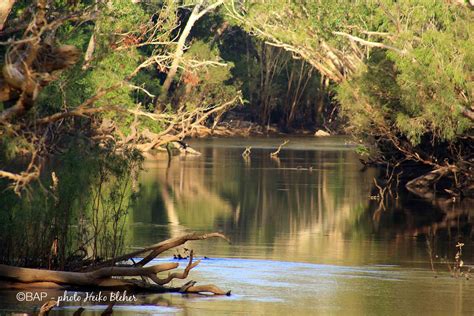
x=116 y=277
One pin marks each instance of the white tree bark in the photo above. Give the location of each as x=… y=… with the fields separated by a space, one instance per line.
x=5 y=8
x=89 y=52
x=196 y=14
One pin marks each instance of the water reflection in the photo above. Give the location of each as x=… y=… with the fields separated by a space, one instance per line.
x=307 y=237
x=310 y=205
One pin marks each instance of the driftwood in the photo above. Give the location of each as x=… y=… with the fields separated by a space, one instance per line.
x=107 y=275
x=424 y=186
x=47 y=307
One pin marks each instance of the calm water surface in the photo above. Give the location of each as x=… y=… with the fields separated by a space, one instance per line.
x=306 y=236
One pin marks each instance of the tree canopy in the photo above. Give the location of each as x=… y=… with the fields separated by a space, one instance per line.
x=143 y=74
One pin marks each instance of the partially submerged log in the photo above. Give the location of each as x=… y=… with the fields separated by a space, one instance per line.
x=184 y=148
x=425 y=185
x=277 y=152
x=107 y=275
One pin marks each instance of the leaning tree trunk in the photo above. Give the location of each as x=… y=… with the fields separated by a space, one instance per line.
x=5 y=8
x=196 y=14
x=179 y=50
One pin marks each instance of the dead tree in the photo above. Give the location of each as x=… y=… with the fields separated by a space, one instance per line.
x=117 y=273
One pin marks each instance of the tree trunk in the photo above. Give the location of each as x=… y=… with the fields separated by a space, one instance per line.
x=180 y=50
x=196 y=14
x=424 y=185
x=117 y=277
x=5 y=8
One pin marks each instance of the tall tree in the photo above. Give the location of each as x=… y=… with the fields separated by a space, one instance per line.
x=403 y=71
x=197 y=13
x=5 y=8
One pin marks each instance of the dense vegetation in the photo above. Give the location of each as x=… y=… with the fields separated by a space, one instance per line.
x=404 y=73
x=95 y=83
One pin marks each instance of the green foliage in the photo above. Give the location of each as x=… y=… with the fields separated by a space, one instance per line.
x=201 y=51
x=207 y=77
x=417 y=86
x=422 y=91
x=85 y=209
x=118 y=22
x=362 y=150
x=300 y=25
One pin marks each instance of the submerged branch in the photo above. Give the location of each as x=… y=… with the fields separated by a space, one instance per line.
x=275 y=153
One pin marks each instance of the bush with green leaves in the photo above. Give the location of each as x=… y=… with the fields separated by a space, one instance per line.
x=421 y=92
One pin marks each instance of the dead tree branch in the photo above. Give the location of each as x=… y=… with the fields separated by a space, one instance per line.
x=159 y=248
x=275 y=153
x=107 y=275
x=369 y=43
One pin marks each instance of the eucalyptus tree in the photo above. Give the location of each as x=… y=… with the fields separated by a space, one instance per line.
x=402 y=72
x=97 y=67
x=199 y=10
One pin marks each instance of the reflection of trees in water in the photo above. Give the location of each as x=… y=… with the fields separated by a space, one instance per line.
x=311 y=191
x=178 y=197
x=409 y=216
x=443 y=219
x=81 y=216
x=305 y=203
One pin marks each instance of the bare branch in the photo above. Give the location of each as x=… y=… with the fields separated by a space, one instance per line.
x=209 y=8
x=275 y=153
x=158 y=248
x=176 y=275
x=371 y=44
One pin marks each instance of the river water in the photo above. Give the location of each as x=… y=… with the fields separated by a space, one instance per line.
x=308 y=234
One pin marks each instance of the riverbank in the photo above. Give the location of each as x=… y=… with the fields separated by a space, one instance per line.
x=244 y=128
x=307 y=235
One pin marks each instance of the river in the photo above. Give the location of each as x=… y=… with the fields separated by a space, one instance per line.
x=308 y=234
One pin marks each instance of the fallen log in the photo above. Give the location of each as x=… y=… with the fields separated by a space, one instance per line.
x=424 y=185
x=158 y=248
x=276 y=152
x=106 y=275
